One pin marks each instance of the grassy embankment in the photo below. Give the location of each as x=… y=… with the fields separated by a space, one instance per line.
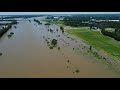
x=102 y=43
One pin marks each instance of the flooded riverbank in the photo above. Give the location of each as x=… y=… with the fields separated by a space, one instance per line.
x=27 y=54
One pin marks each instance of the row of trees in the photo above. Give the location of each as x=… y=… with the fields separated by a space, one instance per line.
x=76 y=21
x=86 y=21
x=4 y=30
x=109 y=24
x=37 y=21
x=115 y=34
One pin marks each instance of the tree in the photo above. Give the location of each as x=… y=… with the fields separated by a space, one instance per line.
x=54 y=42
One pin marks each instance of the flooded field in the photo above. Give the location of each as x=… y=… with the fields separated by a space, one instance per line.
x=27 y=54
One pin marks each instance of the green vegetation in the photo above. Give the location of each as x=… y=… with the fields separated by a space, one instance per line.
x=15 y=27
x=90 y=47
x=58 y=48
x=51 y=47
x=77 y=71
x=37 y=21
x=59 y=23
x=11 y=33
x=51 y=30
x=47 y=23
x=62 y=29
x=13 y=22
x=95 y=39
x=4 y=30
x=0 y=54
x=114 y=34
x=102 y=43
x=53 y=44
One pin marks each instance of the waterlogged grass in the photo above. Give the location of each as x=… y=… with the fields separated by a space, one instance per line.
x=102 y=43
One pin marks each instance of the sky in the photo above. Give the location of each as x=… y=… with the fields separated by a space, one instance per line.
x=40 y=13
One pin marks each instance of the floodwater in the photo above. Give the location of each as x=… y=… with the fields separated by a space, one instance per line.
x=27 y=54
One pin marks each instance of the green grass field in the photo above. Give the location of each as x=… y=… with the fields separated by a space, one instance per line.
x=59 y=23
x=102 y=43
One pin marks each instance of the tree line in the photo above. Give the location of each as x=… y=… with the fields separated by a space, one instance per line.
x=4 y=30
x=37 y=21
x=81 y=21
x=115 y=34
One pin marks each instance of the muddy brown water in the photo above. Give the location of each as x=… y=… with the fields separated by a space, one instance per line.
x=27 y=54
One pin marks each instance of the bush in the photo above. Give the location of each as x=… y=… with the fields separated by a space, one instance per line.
x=11 y=33
x=51 y=47
x=77 y=71
x=0 y=54
x=90 y=47
x=58 y=48
x=51 y=30
x=37 y=21
x=61 y=28
x=47 y=23
x=54 y=42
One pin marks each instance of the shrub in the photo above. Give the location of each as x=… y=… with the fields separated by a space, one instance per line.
x=77 y=71
x=11 y=33
x=58 y=48
x=51 y=47
x=90 y=47
x=54 y=42
x=0 y=54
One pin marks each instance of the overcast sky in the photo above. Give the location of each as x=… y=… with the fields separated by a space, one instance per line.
x=36 y=13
